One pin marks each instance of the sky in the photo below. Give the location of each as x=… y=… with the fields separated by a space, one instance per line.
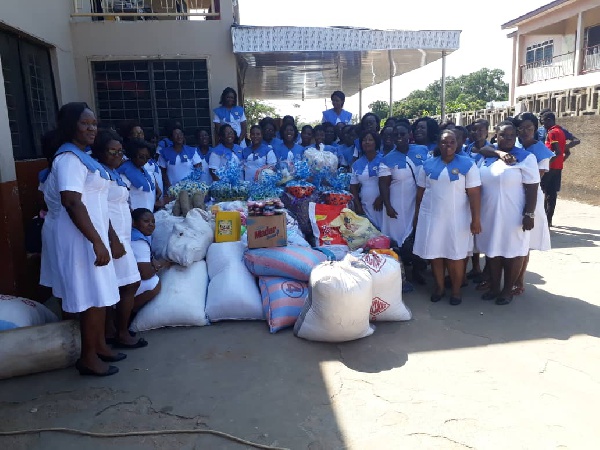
x=482 y=42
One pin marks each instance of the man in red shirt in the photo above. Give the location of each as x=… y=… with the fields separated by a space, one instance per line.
x=555 y=141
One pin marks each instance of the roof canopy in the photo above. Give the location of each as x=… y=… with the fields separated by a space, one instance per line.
x=309 y=62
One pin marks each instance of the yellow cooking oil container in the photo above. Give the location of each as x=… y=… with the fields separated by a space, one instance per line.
x=228 y=225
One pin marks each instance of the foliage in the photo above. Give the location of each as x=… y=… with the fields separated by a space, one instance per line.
x=256 y=110
x=465 y=93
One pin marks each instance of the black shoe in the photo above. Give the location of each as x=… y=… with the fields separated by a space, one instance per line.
x=118 y=357
x=455 y=301
x=436 y=297
x=83 y=370
x=489 y=295
x=504 y=300
x=141 y=343
x=418 y=278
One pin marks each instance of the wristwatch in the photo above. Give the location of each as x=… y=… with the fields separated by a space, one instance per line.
x=530 y=215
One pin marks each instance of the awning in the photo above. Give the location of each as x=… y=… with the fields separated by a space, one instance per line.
x=311 y=62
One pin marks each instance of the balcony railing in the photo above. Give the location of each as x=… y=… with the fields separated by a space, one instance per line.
x=591 y=59
x=546 y=69
x=147 y=9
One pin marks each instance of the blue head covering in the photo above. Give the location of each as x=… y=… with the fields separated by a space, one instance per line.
x=114 y=176
x=540 y=151
x=460 y=165
x=229 y=115
x=417 y=153
x=395 y=158
x=139 y=178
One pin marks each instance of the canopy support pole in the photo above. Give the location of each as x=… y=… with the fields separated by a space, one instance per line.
x=443 y=99
x=360 y=106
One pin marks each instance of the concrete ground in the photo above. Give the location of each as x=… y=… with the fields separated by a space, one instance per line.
x=522 y=376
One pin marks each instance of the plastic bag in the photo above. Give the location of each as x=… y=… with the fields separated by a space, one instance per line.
x=356 y=230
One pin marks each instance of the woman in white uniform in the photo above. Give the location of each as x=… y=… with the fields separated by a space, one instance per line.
x=508 y=203
x=85 y=268
x=178 y=161
x=49 y=263
x=540 y=234
x=364 y=180
x=107 y=149
x=257 y=155
x=143 y=191
x=204 y=150
x=448 y=214
x=225 y=152
x=398 y=188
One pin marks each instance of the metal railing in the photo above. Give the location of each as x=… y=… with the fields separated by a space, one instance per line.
x=548 y=68
x=146 y=9
x=591 y=59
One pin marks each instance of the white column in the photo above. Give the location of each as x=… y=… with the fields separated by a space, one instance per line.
x=7 y=160
x=515 y=68
x=578 y=44
x=391 y=64
x=443 y=99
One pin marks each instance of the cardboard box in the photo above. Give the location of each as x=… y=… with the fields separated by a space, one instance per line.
x=266 y=231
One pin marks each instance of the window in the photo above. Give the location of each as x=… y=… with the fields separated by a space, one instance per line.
x=540 y=54
x=30 y=94
x=152 y=92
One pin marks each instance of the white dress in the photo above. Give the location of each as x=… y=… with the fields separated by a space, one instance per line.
x=181 y=169
x=141 y=250
x=369 y=191
x=138 y=197
x=85 y=285
x=502 y=206
x=540 y=234
x=444 y=222
x=154 y=169
x=120 y=217
x=251 y=165
x=49 y=276
x=403 y=194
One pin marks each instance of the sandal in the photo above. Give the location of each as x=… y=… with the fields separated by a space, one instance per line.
x=489 y=296
x=504 y=300
x=141 y=343
x=484 y=286
x=517 y=290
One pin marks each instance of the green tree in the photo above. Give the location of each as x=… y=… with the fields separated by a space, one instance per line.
x=465 y=93
x=380 y=107
x=256 y=110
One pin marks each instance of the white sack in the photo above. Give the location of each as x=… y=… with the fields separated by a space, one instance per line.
x=190 y=239
x=337 y=309
x=232 y=292
x=387 y=302
x=181 y=300
x=17 y=312
x=164 y=227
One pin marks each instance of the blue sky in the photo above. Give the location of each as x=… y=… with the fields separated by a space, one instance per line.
x=482 y=42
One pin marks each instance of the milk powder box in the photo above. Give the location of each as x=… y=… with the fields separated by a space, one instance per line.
x=266 y=231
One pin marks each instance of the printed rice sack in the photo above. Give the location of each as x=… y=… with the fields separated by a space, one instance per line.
x=162 y=232
x=321 y=217
x=283 y=300
x=356 y=230
x=339 y=302
x=190 y=239
x=387 y=302
x=181 y=301
x=17 y=312
x=232 y=291
x=292 y=262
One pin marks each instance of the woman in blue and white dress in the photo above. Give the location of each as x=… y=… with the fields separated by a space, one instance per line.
x=257 y=155
x=230 y=113
x=85 y=267
x=447 y=214
x=178 y=161
x=364 y=180
x=204 y=150
x=225 y=152
x=108 y=150
x=540 y=234
x=337 y=114
x=508 y=204
x=288 y=150
x=143 y=191
x=398 y=188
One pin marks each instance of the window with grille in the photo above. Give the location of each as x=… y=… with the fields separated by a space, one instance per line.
x=30 y=93
x=540 y=54
x=152 y=92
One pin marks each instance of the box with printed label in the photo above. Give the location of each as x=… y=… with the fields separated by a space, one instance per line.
x=266 y=231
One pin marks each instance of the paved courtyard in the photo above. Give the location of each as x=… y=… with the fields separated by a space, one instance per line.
x=522 y=376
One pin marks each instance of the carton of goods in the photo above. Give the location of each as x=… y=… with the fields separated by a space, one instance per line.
x=266 y=231
x=228 y=225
